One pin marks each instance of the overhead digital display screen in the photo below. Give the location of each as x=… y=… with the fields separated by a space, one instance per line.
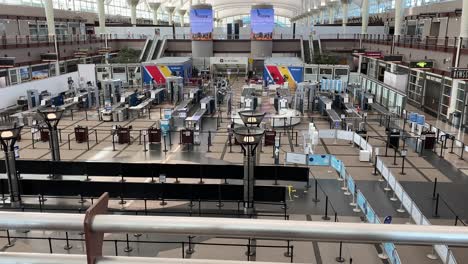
x=262 y=23
x=201 y=22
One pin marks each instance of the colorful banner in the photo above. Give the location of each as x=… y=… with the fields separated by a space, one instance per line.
x=262 y=22
x=159 y=73
x=274 y=74
x=201 y=24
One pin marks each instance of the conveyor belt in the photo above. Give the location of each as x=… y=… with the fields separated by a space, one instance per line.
x=142 y=104
x=325 y=99
x=349 y=106
x=197 y=115
x=184 y=104
x=334 y=117
x=379 y=108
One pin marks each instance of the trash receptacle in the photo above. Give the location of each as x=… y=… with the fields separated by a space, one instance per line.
x=456 y=118
x=394 y=138
x=81 y=134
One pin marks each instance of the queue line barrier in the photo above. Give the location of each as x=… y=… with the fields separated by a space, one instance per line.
x=444 y=252
x=359 y=202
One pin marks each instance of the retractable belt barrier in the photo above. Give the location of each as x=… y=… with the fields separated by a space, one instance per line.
x=129 y=190
x=145 y=170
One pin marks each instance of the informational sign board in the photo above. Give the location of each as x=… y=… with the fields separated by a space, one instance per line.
x=262 y=22
x=422 y=64
x=296 y=158
x=460 y=73
x=201 y=24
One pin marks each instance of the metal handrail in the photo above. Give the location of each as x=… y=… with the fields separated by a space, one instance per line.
x=34 y=258
x=253 y=228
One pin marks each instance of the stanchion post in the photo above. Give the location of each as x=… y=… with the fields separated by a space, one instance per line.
x=436 y=212
x=316 y=199
x=10 y=244
x=375 y=167
x=190 y=250
x=165 y=146
x=127 y=248
x=340 y=258
x=67 y=245
x=326 y=217
x=435 y=189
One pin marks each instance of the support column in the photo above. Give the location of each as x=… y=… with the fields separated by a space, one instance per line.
x=155 y=7
x=170 y=13
x=344 y=5
x=322 y=14
x=364 y=16
x=331 y=19
x=181 y=15
x=49 y=12
x=463 y=40
x=398 y=17
x=133 y=4
x=101 y=16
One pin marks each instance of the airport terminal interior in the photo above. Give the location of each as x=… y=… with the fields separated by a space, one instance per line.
x=229 y=131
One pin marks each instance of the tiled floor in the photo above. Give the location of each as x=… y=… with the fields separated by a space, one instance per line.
x=418 y=181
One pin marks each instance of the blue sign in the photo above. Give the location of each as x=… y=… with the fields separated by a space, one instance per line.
x=388 y=220
x=297 y=73
x=413 y=117
x=421 y=120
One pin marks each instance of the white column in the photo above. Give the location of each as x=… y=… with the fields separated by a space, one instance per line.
x=155 y=7
x=345 y=14
x=322 y=16
x=398 y=17
x=463 y=32
x=155 y=17
x=365 y=16
x=49 y=12
x=464 y=20
x=101 y=16
x=330 y=15
x=170 y=13
x=133 y=5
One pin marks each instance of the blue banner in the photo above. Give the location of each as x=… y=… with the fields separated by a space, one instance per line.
x=297 y=73
x=343 y=171
x=319 y=160
x=351 y=185
x=336 y=163
x=413 y=117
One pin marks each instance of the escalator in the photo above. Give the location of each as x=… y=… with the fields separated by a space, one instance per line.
x=146 y=49
x=152 y=49
x=316 y=47
x=156 y=49
x=307 y=55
